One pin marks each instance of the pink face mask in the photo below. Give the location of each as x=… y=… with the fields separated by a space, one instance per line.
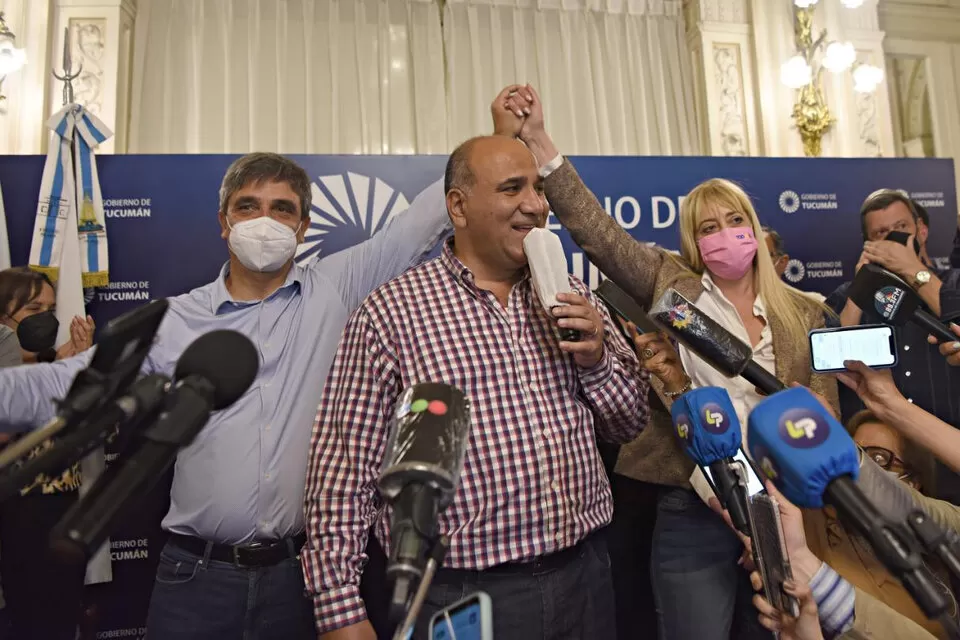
x=729 y=252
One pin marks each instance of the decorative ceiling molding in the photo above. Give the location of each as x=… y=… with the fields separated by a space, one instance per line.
x=931 y=20
x=717 y=11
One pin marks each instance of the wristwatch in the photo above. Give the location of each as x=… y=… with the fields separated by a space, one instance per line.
x=922 y=278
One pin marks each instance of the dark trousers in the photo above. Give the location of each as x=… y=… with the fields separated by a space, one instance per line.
x=44 y=597
x=700 y=591
x=630 y=537
x=195 y=598
x=571 y=601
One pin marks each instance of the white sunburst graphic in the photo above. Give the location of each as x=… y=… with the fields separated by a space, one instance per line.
x=348 y=208
x=789 y=201
x=795 y=271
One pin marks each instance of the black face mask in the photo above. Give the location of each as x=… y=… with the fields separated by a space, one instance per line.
x=902 y=237
x=38 y=332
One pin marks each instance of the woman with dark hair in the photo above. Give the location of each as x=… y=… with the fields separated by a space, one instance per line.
x=28 y=305
x=43 y=597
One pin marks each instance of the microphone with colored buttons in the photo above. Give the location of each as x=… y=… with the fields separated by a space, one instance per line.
x=704 y=336
x=548 y=272
x=814 y=462
x=894 y=301
x=419 y=478
x=707 y=425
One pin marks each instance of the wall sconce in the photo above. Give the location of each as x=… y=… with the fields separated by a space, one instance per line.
x=11 y=58
x=803 y=71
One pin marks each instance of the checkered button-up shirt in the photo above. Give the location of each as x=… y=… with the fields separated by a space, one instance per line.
x=532 y=481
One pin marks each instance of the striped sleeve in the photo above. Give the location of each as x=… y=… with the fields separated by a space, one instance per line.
x=835 y=600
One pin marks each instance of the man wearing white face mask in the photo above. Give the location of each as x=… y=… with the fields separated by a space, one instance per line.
x=231 y=568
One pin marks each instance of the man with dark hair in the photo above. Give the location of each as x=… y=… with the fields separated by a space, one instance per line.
x=458 y=174
x=231 y=567
x=780 y=259
x=526 y=525
x=778 y=255
x=922 y=375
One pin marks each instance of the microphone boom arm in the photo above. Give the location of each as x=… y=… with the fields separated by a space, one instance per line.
x=891 y=543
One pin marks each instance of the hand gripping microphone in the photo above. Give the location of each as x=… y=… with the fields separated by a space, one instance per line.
x=213 y=372
x=724 y=351
x=812 y=460
x=125 y=416
x=548 y=271
x=420 y=475
x=707 y=425
x=115 y=364
x=894 y=300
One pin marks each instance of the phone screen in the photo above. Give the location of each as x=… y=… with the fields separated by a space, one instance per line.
x=466 y=621
x=754 y=484
x=873 y=345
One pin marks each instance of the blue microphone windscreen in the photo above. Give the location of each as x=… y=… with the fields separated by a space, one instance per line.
x=800 y=446
x=706 y=423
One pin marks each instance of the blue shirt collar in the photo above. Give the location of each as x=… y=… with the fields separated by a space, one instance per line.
x=220 y=297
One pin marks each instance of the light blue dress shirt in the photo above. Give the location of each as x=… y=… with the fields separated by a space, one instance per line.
x=242 y=479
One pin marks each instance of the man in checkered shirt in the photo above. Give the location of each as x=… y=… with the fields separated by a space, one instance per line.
x=533 y=497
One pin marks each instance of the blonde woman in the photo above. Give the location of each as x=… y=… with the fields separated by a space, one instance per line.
x=698 y=586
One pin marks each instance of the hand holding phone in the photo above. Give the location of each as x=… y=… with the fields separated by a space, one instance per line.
x=875 y=345
x=770 y=553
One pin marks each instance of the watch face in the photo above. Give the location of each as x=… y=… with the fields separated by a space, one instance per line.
x=923 y=277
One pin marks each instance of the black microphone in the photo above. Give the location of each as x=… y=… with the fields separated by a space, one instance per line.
x=213 y=372
x=892 y=498
x=701 y=334
x=124 y=344
x=421 y=471
x=129 y=412
x=894 y=300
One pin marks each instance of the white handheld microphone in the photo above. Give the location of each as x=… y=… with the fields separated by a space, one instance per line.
x=548 y=271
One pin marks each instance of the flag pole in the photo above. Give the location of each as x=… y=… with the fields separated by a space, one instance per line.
x=71 y=302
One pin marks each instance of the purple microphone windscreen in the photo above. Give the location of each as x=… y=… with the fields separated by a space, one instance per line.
x=702 y=335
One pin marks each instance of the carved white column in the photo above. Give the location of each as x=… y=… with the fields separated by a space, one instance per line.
x=718 y=36
x=101 y=35
x=926 y=32
x=864 y=124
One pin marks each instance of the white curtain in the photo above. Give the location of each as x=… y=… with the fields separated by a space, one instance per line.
x=614 y=75
x=383 y=76
x=292 y=76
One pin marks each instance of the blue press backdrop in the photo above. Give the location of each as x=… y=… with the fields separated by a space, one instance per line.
x=165 y=239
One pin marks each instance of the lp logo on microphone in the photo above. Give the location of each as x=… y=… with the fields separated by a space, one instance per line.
x=803 y=429
x=715 y=419
x=767 y=464
x=683 y=427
